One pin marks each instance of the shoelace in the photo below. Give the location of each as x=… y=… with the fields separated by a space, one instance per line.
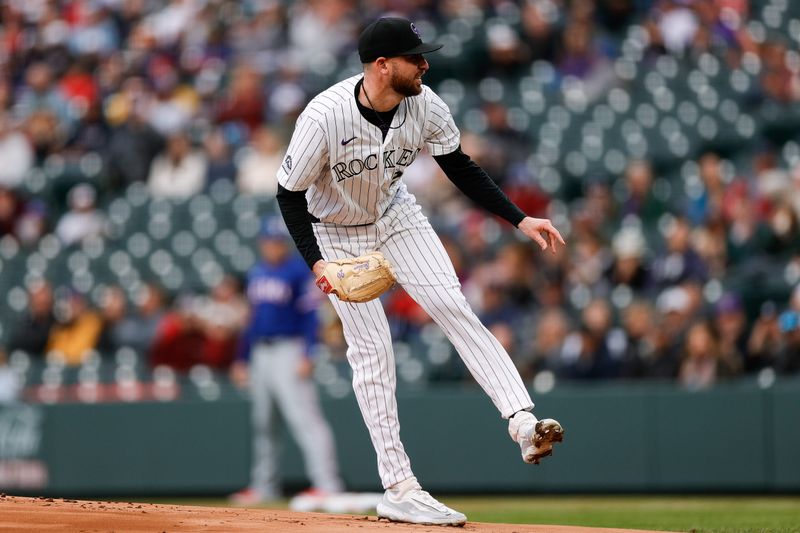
x=429 y=500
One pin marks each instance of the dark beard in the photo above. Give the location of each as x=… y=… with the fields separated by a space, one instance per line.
x=405 y=87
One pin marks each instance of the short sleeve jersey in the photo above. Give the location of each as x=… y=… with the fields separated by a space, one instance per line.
x=350 y=172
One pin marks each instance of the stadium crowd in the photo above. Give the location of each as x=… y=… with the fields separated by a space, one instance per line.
x=182 y=94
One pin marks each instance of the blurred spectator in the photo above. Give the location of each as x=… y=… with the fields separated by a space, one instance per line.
x=581 y=58
x=321 y=29
x=783 y=240
x=10 y=387
x=168 y=23
x=77 y=329
x=709 y=241
x=639 y=357
x=641 y=200
x=679 y=262
x=178 y=342
x=32 y=223
x=15 y=153
x=6 y=95
x=748 y=237
x=788 y=357
x=674 y=25
x=113 y=310
x=201 y=329
x=92 y=133
x=590 y=258
x=221 y=317
x=31 y=333
x=552 y=327
x=10 y=211
x=718 y=30
x=704 y=362
x=539 y=26
x=93 y=30
x=708 y=205
x=133 y=143
x=674 y=307
x=287 y=96
x=629 y=268
x=133 y=328
x=731 y=324
x=79 y=88
x=514 y=271
x=780 y=78
x=506 y=52
x=258 y=165
x=598 y=208
x=794 y=299
x=243 y=103
x=138 y=329
x=764 y=340
x=41 y=97
x=262 y=37
x=179 y=172
x=171 y=111
x=594 y=351
x=83 y=219
x=220 y=161
x=504 y=149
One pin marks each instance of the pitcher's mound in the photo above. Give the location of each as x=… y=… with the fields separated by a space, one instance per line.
x=22 y=515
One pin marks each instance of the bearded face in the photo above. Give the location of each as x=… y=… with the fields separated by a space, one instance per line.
x=407 y=74
x=405 y=84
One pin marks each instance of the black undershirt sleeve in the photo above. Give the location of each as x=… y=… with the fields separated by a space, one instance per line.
x=476 y=184
x=294 y=208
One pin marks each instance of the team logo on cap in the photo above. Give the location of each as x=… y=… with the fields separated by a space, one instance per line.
x=415 y=30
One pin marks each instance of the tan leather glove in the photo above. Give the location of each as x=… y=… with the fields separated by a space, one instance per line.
x=359 y=279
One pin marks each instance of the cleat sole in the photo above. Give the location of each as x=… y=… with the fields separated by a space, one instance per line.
x=546 y=433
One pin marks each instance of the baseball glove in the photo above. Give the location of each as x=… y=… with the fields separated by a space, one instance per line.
x=359 y=279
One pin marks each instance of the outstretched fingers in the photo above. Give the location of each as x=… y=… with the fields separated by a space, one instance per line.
x=554 y=235
x=537 y=237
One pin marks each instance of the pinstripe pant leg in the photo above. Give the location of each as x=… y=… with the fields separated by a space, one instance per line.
x=370 y=354
x=425 y=271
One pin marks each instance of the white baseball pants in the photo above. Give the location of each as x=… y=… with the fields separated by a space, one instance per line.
x=276 y=386
x=423 y=268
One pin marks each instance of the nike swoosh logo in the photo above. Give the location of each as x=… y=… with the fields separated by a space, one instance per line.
x=347 y=141
x=432 y=508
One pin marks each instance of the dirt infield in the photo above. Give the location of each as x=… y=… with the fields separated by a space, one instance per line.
x=20 y=515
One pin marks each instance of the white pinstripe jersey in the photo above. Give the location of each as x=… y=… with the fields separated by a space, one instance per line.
x=351 y=175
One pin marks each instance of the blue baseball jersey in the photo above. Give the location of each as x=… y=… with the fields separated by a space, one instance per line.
x=283 y=303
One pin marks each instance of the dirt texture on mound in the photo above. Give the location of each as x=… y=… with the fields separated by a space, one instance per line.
x=20 y=515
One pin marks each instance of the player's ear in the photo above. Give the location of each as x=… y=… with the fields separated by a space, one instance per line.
x=382 y=64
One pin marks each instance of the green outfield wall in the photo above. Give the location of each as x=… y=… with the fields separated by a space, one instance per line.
x=639 y=438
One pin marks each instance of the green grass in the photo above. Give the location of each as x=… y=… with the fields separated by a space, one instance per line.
x=679 y=513
x=701 y=514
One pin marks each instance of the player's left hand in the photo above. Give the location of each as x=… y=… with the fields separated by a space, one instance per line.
x=536 y=227
x=239 y=374
x=305 y=368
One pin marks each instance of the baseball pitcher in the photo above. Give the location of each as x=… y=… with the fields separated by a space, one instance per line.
x=343 y=199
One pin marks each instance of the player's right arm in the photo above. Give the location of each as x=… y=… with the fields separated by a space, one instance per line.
x=304 y=162
x=442 y=141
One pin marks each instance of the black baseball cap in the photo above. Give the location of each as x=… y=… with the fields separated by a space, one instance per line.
x=391 y=37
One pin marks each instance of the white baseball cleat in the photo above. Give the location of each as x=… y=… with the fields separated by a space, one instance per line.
x=407 y=502
x=535 y=437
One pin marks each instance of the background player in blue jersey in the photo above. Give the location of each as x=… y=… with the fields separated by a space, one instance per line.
x=275 y=359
